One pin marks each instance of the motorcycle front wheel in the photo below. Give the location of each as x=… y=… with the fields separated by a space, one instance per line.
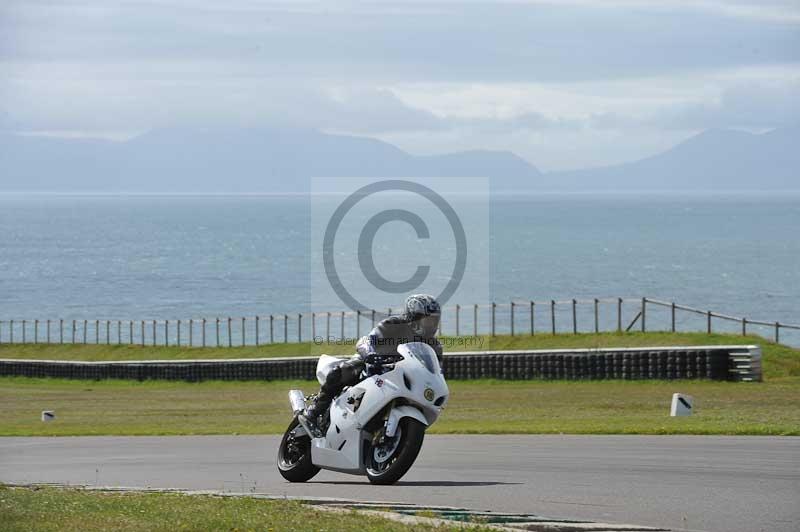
x=294 y=456
x=389 y=461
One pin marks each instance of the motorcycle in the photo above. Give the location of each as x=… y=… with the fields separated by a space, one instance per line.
x=374 y=428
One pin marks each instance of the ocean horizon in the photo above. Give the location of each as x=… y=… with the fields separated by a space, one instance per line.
x=181 y=256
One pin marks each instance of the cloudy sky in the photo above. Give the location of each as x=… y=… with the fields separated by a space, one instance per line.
x=563 y=83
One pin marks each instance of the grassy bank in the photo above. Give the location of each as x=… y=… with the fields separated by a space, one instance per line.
x=63 y=510
x=600 y=407
x=452 y=344
x=779 y=360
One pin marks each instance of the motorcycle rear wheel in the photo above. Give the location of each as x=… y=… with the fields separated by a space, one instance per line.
x=294 y=456
x=390 y=469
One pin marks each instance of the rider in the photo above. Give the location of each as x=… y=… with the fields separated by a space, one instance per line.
x=418 y=323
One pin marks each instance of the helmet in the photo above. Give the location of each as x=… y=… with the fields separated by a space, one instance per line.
x=423 y=313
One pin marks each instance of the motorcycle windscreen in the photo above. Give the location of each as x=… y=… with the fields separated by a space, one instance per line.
x=425 y=354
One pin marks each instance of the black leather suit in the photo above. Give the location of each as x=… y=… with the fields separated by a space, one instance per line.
x=382 y=340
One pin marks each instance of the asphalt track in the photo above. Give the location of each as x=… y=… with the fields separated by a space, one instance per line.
x=725 y=484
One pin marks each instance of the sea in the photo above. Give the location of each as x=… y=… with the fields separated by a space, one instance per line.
x=134 y=257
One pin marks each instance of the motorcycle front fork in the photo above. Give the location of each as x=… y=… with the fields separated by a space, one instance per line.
x=380 y=435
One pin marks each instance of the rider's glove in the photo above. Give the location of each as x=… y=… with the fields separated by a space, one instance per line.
x=372 y=345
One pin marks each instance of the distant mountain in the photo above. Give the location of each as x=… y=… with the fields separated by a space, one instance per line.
x=713 y=160
x=232 y=160
x=283 y=160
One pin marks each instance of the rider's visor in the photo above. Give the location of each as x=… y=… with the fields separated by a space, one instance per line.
x=429 y=324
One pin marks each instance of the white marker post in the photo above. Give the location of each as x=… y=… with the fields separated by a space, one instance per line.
x=681 y=405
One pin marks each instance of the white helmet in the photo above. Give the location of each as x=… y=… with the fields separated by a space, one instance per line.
x=423 y=313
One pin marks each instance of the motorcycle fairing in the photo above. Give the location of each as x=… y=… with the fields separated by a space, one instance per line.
x=342 y=447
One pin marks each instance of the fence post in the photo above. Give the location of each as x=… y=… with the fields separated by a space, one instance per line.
x=191 y=332
x=596 y=317
x=574 y=316
x=230 y=339
x=48 y=331
x=285 y=328
x=373 y=318
x=179 y=333
x=166 y=332
x=512 y=318
x=358 y=324
x=327 y=326
x=244 y=339
x=60 y=331
x=23 y=331
x=130 y=335
x=475 y=320
x=155 y=335
x=744 y=326
x=96 y=331
x=644 y=311
x=258 y=321
x=203 y=333
x=777 y=332
x=708 y=322
x=119 y=332
x=299 y=328
x=673 y=316
x=74 y=331
x=271 y=336
x=85 y=328
x=217 y=331
x=108 y=332
x=342 y=338
x=142 y=333
x=35 y=331
x=313 y=326
x=619 y=314
x=458 y=309
x=533 y=328
x=494 y=307
x=553 y=315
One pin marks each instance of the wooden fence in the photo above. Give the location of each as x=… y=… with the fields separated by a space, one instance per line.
x=514 y=318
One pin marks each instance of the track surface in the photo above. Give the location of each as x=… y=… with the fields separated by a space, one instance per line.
x=685 y=482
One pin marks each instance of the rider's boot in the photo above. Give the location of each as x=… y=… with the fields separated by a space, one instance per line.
x=310 y=417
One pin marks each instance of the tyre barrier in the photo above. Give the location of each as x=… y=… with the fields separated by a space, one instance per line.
x=726 y=363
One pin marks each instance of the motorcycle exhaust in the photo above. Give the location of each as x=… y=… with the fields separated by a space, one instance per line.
x=297 y=400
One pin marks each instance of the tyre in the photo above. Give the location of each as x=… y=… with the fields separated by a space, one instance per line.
x=387 y=463
x=294 y=456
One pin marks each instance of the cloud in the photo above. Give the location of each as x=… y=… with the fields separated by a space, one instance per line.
x=444 y=41
x=749 y=106
x=606 y=79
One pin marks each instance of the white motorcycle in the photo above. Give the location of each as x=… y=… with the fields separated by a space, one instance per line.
x=374 y=428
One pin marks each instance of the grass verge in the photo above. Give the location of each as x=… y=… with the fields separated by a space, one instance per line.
x=55 y=509
x=102 y=352
x=115 y=407
x=599 y=407
x=779 y=360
